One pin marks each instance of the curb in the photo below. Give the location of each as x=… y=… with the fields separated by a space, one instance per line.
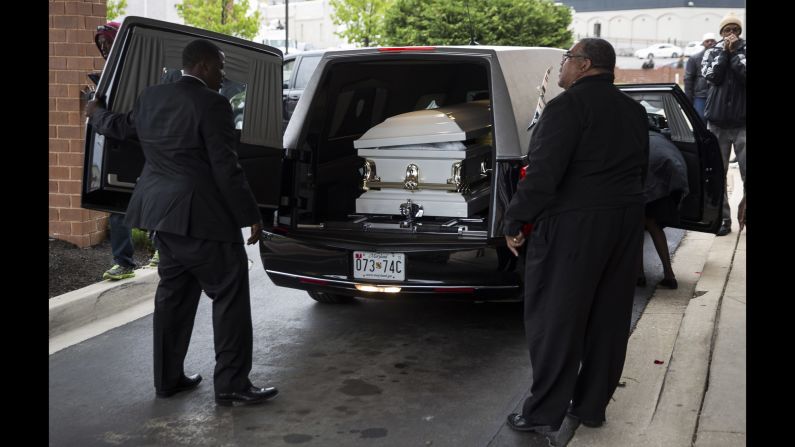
x=81 y=314
x=678 y=408
x=676 y=415
x=723 y=415
x=79 y=307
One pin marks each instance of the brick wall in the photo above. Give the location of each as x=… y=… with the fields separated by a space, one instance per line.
x=72 y=54
x=664 y=74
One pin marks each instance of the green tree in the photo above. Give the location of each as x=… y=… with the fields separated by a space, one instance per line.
x=222 y=16
x=116 y=8
x=363 y=20
x=495 y=22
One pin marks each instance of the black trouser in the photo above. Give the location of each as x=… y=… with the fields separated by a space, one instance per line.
x=188 y=266
x=581 y=268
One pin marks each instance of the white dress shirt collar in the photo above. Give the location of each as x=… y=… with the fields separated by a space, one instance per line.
x=194 y=77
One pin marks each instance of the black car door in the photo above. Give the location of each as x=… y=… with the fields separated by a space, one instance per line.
x=148 y=52
x=675 y=116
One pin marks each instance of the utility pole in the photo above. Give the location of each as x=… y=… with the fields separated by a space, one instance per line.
x=286 y=26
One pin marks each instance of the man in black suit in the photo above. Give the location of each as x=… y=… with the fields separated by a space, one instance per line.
x=584 y=194
x=193 y=193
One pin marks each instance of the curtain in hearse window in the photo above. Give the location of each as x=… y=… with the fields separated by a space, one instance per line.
x=141 y=69
x=257 y=128
x=155 y=57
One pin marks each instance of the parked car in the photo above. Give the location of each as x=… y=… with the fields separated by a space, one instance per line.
x=693 y=47
x=449 y=123
x=296 y=71
x=659 y=50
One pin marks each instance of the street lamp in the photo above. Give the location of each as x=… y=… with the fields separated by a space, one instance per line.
x=286 y=26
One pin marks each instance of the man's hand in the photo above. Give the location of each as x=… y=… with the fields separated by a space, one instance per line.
x=730 y=42
x=256 y=232
x=92 y=106
x=741 y=213
x=514 y=242
x=87 y=93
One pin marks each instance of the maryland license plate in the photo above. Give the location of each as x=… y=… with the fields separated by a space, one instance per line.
x=381 y=266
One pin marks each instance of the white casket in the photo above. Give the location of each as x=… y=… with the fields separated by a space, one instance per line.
x=428 y=158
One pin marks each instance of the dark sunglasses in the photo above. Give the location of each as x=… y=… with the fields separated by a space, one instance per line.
x=731 y=29
x=106 y=28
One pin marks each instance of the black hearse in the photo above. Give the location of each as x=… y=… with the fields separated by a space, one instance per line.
x=319 y=236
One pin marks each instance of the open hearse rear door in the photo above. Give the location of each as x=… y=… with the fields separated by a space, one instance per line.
x=148 y=52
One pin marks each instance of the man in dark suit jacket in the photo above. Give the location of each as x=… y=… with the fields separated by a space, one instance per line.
x=193 y=193
x=583 y=192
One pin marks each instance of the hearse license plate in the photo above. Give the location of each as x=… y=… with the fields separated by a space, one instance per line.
x=371 y=265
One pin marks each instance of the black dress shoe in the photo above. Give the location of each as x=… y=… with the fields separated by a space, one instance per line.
x=249 y=396
x=517 y=422
x=725 y=228
x=668 y=283
x=590 y=423
x=185 y=384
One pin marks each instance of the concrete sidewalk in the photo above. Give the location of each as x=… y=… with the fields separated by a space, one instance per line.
x=684 y=381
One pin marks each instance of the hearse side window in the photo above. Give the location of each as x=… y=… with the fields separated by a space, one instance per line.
x=358 y=109
x=664 y=104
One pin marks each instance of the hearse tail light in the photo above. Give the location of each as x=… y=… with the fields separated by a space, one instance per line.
x=280 y=230
x=526 y=228
x=403 y=49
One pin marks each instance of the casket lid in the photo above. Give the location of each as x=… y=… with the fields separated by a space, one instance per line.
x=457 y=122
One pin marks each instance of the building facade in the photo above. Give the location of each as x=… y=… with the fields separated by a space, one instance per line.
x=633 y=24
x=309 y=22
x=164 y=10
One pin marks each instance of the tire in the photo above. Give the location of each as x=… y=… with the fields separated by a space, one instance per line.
x=674 y=54
x=330 y=298
x=650 y=55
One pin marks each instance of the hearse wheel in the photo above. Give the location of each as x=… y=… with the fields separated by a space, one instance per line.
x=330 y=298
